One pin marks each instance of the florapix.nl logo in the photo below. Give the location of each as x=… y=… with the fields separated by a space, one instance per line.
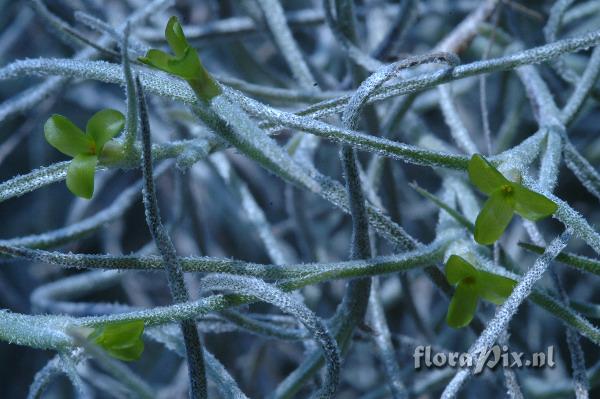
x=496 y=356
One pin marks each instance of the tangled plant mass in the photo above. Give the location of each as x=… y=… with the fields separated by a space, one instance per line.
x=286 y=203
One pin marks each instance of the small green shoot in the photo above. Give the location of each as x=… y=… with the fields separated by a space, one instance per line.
x=452 y=212
x=472 y=284
x=505 y=198
x=85 y=148
x=120 y=340
x=185 y=63
x=574 y=260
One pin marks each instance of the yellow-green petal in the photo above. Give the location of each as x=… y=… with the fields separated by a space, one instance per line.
x=80 y=175
x=186 y=63
x=191 y=69
x=67 y=138
x=128 y=353
x=103 y=126
x=494 y=288
x=175 y=37
x=157 y=59
x=462 y=306
x=532 y=205
x=121 y=340
x=493 y=218
x=484 y=175
x=187 y=66
x=457 y=269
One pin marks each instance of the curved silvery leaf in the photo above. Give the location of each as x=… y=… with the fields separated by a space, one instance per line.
x=286 y=302
x=578 y=261
x=67 y=138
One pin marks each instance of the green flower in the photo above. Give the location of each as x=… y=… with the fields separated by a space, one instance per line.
x=85 y=148
x=185 y=63
x=472 y=284
x=506 y=198
x=121 y=340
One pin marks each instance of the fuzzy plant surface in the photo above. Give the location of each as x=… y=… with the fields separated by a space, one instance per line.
x=298 y=199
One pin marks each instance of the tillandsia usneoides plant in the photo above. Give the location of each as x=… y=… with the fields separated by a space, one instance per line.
x=300 y=199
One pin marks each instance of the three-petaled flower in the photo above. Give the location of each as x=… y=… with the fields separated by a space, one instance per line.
x=185 y=63
x=505 y=198
x=85 y=148
x=472 y=284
